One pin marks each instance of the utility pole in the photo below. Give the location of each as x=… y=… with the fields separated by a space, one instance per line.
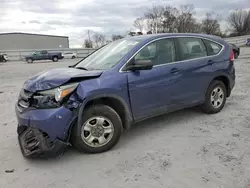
x=88 y=35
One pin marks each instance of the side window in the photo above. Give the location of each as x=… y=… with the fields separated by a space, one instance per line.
x=43 y=52
x=191 y=48
x=37 y=53
x=212 y=47
x=159 y=52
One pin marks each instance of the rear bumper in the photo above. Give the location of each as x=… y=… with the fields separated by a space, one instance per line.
x=43 y=131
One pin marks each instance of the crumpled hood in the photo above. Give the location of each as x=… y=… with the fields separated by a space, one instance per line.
x=56 y=77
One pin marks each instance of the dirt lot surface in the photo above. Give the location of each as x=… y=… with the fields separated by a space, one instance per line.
x=184 y=149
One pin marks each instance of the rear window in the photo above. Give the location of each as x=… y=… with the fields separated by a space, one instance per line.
x=212 y=47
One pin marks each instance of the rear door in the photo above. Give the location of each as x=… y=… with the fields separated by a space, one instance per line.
x=194 y=60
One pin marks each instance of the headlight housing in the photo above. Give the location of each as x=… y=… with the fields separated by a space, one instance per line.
x=61 y=92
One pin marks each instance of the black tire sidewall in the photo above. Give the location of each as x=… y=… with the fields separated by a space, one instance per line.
x=31 y=60
x=97 y=110
x=236 y=55
x=55 y=59
x=207 y=107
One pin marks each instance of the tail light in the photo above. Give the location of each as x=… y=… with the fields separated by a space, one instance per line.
x=231 y=58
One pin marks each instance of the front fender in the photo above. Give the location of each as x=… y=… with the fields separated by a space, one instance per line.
x=28 y=57
x=109 y=84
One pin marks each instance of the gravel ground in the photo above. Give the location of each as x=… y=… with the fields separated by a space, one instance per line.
x=179 y=150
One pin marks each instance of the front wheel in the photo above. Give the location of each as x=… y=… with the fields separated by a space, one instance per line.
x=215 y=97
x=99 y=130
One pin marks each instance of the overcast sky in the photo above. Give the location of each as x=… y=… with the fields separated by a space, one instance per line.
x=74 y=17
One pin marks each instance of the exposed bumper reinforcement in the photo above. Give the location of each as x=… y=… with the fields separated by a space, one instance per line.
x=35 y=143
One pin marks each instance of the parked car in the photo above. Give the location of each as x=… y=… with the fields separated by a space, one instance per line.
x=43 y=55
x=129 y=80
x=236 y=50
x=4 y=58
x=248 y=42
x=71 y=55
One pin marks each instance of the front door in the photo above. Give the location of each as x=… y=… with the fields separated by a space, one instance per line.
x=151 y=90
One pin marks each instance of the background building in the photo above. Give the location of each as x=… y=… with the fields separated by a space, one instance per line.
x=22 y=41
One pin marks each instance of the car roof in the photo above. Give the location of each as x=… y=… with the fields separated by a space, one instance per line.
x=161 y=35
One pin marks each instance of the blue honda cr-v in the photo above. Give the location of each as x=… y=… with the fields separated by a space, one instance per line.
x=90 y=103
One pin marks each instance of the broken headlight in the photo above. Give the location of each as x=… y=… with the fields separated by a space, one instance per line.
x=53 y=97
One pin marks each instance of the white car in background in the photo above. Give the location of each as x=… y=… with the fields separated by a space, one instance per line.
x=70 y=55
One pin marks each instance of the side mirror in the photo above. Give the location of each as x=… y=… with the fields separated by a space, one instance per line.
x=140 y=65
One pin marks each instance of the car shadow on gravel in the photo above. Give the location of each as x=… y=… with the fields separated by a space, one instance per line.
x=159 y=123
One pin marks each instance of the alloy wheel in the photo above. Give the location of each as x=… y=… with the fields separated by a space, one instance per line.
x=97 y=131
x=217 y=97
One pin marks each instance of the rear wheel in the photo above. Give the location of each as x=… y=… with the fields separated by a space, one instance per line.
x=55 y=58
x=99 y=130
x=215 y=97
x=30 y=60
x=236 y=55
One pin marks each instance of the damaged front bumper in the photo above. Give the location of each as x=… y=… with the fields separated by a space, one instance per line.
x=33 y=142
x=43 y=131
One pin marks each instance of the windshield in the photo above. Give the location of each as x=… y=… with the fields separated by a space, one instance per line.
x=109 y=55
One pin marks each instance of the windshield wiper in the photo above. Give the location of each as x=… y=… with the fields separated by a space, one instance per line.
x=82 y=68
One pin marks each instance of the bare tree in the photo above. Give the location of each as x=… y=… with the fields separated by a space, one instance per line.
x=139 y=24
x=239 y=20
x=195 y=27
x=154 y=17
x=210 y=24
x=116 y=37
x=170 y=19
x=99 y=40
x=186 y=20
x=88 y=43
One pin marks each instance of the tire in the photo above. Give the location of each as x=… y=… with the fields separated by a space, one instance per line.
x=209 y=106
x=55 y=59
x=236 y=55
x=29 y=60
x=91 y=115
x=73 y=57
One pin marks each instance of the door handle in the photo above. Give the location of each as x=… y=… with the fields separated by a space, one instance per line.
x=210 y=62
x=175 y=70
